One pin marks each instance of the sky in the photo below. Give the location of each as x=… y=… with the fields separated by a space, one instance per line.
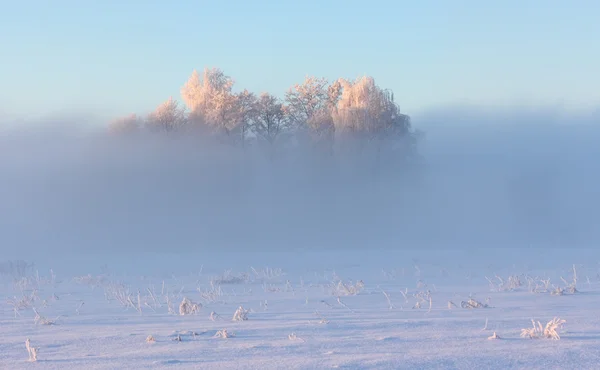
x=112 y=58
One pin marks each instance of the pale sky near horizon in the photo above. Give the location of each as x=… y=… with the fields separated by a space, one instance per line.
x=115 y=57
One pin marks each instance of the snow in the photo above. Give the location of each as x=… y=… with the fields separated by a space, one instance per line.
x=295 y=319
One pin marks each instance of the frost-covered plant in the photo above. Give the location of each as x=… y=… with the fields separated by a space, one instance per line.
x=150 y=339
x=572 y=286
x=513 y=282
x=187 y=307
x=223 y=334
x=19 y=304
x=267 y=273
x=240 y=314
x=215 y=316
x=494 y=336
x=423 y=299
x=471 y=303
x=212 y=295
x=39 y=319
x=389 y=301
x=32 y=351
x=322 y=319
x=92 y=281
x=538 y=285
x=538 y=331
x=229 y=278
x=341 y=288
x=294 y=337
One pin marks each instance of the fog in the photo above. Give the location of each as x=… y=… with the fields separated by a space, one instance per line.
x=511 y=178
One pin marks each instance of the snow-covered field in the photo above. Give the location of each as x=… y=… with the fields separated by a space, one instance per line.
x=306 y=310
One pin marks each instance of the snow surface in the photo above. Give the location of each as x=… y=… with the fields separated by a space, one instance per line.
x=295 y=293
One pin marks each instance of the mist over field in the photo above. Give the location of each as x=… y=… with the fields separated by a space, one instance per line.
x=483 y=179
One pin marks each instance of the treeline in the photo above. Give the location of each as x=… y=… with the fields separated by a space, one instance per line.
x=326 y=118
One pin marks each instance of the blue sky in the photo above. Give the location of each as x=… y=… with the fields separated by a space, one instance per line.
x=115 y=57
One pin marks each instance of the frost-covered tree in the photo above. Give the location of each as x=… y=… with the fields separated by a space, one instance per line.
x=167 y=117
x=245 y=103
x=367 y=117
x=366 y=110
x=309 y=108
x=212 y=103
x=269 y=118
x=125 y=125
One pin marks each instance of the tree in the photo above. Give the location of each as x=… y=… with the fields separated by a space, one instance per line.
x=125 y=125
x=309 y=108
x=212 y=103
x=367 y=110
x=167 y=117
x=366 y=117
x=269 y=118
x=245 y=105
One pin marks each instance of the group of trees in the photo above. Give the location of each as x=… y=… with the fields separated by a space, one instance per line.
x=326 y=116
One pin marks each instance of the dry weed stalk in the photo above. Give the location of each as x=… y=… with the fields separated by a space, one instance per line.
x=389 y=301
x=322 y=320
x=33 y=351
x=423 y=297
x=39 y=319
x=215 y=316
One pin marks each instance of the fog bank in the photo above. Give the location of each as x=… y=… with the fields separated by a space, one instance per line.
x=510 y=178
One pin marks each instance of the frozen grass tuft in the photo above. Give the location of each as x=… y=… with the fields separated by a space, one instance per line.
x=187 y=307
x=240 y=314
x=471 y=303
x=223 y=334
x=498 y=284
x=538 y=331
x=340 y=288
